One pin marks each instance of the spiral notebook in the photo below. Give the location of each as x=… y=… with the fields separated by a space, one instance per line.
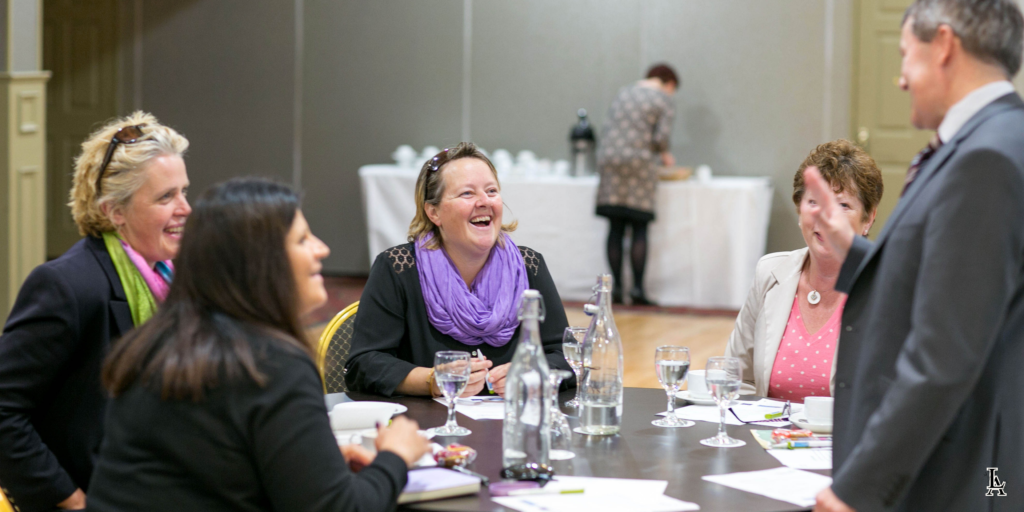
x=437 y=483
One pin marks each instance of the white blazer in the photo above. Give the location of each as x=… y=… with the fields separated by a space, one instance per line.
x=762 y=321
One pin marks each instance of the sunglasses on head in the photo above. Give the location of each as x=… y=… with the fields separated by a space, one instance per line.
x=126 y=135
x=439 y=159
x=540 y=473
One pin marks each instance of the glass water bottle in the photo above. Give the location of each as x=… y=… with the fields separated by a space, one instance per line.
x=601 y=412
x=525 y=438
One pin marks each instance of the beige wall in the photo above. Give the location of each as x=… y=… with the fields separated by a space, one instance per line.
x=761 y=86
x=309 y=90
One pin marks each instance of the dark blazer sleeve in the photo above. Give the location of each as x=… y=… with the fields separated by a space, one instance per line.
x=555 y=321
x=848 y=272
x=40 y=337
x=956 y=317
x=380 y=326
x=295 y=452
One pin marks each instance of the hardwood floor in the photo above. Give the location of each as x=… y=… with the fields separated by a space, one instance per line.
x=642 y=332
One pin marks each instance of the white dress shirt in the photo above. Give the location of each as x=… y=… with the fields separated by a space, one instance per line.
x=969 y=105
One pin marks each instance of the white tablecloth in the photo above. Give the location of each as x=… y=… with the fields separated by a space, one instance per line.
x=704 y=243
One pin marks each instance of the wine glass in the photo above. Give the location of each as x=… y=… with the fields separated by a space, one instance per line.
x=723 y=376
x=561 y=434
x=451 y=372
x=671 y=364
x=572 y=347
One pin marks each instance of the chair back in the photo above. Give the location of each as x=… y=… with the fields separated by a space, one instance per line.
x=332 y=351
x=5 y=506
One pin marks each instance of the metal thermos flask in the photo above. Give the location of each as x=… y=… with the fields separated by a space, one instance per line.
x=583 y=146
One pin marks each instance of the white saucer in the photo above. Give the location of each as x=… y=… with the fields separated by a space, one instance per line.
x=685 y=395
x=799 y=420
x=398 y=408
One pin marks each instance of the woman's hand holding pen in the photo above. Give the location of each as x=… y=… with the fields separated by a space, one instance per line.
x=477 y=379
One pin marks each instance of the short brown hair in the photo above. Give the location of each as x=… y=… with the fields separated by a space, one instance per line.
x=843 y=166
x=430 y=189
x=664 y=73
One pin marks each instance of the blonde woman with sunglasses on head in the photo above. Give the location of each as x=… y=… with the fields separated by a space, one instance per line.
x=128 y=200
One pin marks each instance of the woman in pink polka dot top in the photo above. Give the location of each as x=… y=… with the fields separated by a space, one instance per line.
x=787 y=332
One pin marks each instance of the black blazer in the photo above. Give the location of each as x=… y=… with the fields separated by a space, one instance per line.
x=244 y=447
x=51 y=351
x=930 y=371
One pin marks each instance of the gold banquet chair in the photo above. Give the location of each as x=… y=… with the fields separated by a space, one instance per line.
x=332 y=352
x=5 y=506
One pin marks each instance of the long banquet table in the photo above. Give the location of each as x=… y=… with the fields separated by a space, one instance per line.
x=640 y=450
x=704 y=243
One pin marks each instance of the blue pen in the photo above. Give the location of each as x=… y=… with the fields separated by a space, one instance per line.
x=809 y=444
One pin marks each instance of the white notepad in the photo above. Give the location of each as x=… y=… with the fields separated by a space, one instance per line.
x=783 y=484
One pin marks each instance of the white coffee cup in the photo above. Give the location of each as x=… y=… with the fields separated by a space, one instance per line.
x=696 y=384
x=369 y=439
x=703 y=173
x=405 y=156
x=818 y=409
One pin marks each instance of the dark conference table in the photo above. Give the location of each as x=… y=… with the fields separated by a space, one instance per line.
x=640 y=450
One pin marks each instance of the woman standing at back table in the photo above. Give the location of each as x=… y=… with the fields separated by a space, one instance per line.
x=788 y=330
x=634 y=139
x=455 y=286
x=128 y=200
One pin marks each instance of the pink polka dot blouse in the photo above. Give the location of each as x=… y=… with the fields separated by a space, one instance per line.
x=803 y=364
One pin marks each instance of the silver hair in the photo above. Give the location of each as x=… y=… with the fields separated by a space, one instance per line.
x=990 y=30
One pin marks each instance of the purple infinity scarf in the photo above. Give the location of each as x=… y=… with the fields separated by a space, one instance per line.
x=487 y=311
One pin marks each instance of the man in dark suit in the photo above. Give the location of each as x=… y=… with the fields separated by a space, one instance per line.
x=929 y=402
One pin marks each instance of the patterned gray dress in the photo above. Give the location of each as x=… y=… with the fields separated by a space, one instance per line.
x=634 y=135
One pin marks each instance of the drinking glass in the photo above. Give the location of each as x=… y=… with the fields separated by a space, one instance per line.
x=561 y=434
x=723 y=376
x=671 y=364
x=451 y=372
x=572 y=347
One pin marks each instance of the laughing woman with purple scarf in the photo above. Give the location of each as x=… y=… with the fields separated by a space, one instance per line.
x=455 y=286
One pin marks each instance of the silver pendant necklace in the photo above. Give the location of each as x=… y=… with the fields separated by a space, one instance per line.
x=814 y=297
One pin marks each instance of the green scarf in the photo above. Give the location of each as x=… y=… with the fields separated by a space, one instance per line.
x=140 y=298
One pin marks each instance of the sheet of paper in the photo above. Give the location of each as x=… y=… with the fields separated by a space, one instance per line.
x=754 y=411
x=707 y=413
x=804 y=458
x=478 y=409
x=599 y=495
x=595 y=503
x=784 y=484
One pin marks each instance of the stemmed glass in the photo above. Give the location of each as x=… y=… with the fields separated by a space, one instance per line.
x=723 y=376
x=451 y=372
x=572 y=347
x=561 y=434
x=671 y=364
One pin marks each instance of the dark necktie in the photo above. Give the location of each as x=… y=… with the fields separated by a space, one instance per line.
x=920 y=160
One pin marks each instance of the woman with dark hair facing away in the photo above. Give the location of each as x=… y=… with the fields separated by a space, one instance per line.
x=634 y=140
x=455 y=286
x=217 y=402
